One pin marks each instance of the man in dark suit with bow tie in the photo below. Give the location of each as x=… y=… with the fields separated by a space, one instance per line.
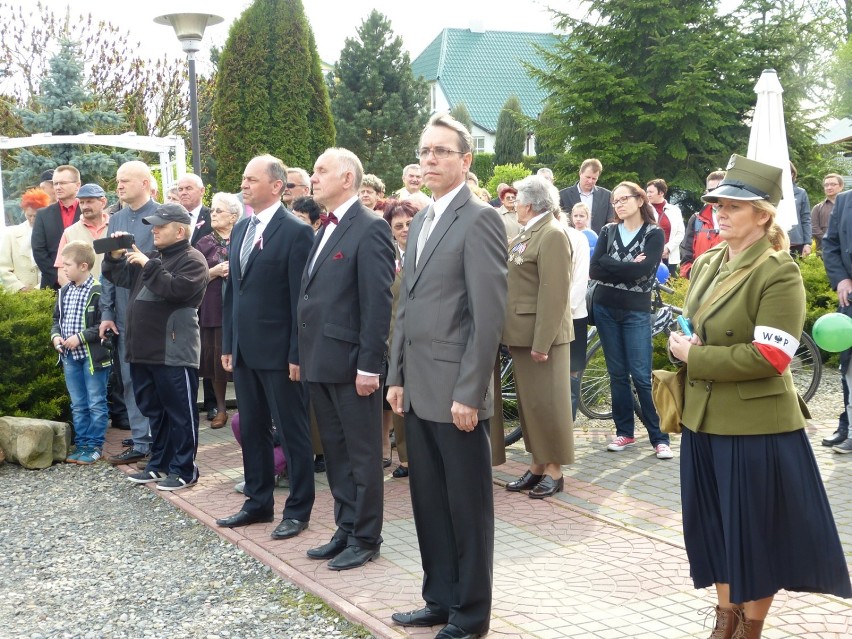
x=259 y=343
x=344 y=317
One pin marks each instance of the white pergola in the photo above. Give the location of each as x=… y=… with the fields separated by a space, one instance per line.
x=171 y=149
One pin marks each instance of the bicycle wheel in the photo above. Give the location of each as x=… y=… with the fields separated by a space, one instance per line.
x=511 y=419
x=806 y=367
x=595 y=397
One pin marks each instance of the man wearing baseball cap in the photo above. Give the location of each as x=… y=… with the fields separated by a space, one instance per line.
x=164 y=341
x=91 y=226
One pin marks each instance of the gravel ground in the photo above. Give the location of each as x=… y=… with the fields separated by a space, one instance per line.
x=85 y=554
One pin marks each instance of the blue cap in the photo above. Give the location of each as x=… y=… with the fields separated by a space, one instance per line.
x=91 y=190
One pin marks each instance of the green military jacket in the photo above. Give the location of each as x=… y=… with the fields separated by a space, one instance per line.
x=732 y=388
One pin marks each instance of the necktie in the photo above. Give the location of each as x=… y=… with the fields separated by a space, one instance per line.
x=424 y=233
x=331 y=218
x=248 y=242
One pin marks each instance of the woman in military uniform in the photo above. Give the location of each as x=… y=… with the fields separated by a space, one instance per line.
x=755 y=514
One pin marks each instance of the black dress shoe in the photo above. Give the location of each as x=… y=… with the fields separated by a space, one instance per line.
x=243 y=518
x=211 y=413
x=547 y=487
x=837 y=437
x=454 y=632
x=289 y=528
x=353 y=557
x=400 y=471
x=319 y=464
x=526 y=481
x=329 y=550
x=420 y=618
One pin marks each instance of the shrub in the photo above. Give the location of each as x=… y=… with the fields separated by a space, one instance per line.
x=31 y=384
x=483 y=167
x=507 y=173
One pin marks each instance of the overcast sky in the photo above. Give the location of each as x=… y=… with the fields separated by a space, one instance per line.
x=331 y=20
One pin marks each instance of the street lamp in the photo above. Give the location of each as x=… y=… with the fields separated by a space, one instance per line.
x=189 y=29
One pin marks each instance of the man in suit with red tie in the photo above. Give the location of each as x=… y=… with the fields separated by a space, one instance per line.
x=259 y=343
x=450 y=315
x=344 y=317
x=52 y=220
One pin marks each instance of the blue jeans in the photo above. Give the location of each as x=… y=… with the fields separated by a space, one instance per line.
x=628 y=351
x=88 y=391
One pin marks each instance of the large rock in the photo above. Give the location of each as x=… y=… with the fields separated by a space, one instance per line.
x=34 y=443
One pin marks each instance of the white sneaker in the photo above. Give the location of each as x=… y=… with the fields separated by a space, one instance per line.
x=664 y=452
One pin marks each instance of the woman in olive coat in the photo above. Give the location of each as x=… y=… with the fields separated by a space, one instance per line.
x=538 y=330
x=755 y=514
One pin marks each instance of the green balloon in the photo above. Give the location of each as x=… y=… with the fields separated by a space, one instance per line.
x=833 y=332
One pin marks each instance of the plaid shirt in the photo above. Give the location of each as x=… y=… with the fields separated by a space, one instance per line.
x=73 y=312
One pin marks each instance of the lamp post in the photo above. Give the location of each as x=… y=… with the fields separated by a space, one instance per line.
x=189 y=29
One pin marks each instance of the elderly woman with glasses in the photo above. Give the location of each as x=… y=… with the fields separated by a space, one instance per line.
x=225 y=210
x=538 y=331
x=624 y=265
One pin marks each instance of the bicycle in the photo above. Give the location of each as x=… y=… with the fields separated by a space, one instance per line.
x=596 y=400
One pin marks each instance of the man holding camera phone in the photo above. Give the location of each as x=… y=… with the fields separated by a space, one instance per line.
x=134 y=189
x=163 y=340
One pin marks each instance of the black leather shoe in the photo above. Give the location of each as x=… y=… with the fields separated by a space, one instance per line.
x=454 y=632
x=211 y=413
x=400 y=471
x=289 y=528
x=547 y=487
x=243 y=518
x=837 y=437
x=353 y=557
x=329 y=550
x=526 y=481
x=420 y=618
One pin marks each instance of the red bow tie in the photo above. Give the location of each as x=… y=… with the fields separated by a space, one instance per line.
x=331 y=218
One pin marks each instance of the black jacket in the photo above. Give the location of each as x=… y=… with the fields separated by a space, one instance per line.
x=162 y=313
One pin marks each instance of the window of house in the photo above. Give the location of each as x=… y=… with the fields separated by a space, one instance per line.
x=479 y=144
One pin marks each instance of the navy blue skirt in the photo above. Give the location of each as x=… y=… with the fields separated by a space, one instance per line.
x=756 y=516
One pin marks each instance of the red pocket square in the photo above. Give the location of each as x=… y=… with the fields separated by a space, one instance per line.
x=338 y=256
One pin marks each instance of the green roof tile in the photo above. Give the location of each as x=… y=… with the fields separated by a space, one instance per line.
x=482 y=69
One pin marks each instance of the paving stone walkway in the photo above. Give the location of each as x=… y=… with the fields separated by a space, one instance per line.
x=605 y=559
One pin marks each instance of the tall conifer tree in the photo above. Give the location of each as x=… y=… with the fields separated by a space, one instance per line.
x=270 y=93
x=379 y=107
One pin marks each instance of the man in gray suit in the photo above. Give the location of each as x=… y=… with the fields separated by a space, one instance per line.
x=449 y=320
x=597 y=198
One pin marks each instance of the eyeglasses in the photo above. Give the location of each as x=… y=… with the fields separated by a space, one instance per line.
x=218 y=211
x=622 y=200
x=509 y=198
x=440 y=152
x=398 y=226
x=290 y=185
x=63 y=183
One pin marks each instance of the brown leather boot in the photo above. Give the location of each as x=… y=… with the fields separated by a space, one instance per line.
x=727 y=623
x=749 y=629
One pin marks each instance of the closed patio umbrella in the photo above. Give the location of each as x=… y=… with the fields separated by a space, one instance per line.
x=768 y=140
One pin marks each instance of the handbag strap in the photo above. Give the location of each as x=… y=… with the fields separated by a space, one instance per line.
x=735 y=278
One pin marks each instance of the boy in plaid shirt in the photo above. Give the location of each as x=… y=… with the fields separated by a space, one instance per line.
x=85 y=361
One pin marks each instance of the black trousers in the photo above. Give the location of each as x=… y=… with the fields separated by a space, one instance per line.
x=453 y=502
x=166 y=395
x=263 y=396
x=350 y=427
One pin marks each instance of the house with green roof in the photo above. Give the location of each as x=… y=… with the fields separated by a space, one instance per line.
x=482 y=69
